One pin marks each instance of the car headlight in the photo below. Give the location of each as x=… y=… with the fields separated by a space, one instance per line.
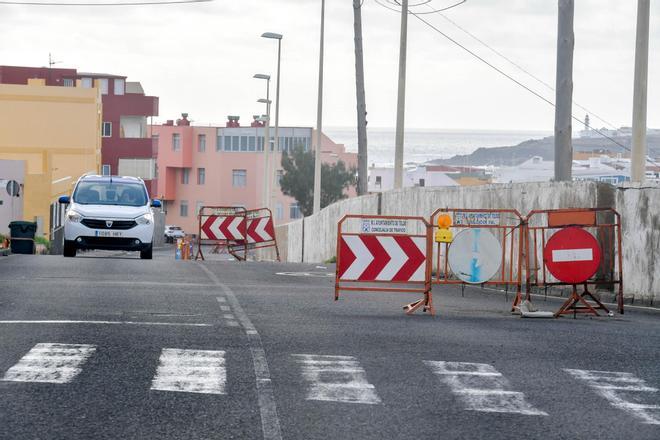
x=145 y=219
x=73 y=216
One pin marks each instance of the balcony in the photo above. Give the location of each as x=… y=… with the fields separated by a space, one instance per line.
x=115 y=106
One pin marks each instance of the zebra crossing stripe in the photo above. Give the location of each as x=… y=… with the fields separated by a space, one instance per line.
x=480 y=387
x=618 y=387
x=50 y=363
x=336 y=379
x=191 y=371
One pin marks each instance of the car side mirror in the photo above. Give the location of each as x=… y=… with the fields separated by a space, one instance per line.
x=65 y=200
x=155 y=203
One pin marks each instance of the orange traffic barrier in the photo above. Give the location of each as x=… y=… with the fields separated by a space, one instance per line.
x=221 y=225
x=479 y=246
x=259 y=233
x=571 y=247
x=375 y=251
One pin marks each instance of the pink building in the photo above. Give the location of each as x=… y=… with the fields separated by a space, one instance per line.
x=224 y=166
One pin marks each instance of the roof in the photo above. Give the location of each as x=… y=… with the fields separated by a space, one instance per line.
x=100 y=75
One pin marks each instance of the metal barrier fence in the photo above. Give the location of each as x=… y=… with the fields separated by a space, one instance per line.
x=259 y=233
x=382 y=250
x=221 y=225
x=571 y=247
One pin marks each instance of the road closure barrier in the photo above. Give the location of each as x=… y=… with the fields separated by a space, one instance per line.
x=222 y=226
x=259 y=233
x=479 y=246
x=571 y=247
x=385 y=254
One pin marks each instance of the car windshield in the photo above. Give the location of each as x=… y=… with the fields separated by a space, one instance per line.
x=110 y=193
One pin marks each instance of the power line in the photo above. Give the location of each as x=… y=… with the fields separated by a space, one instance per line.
x=503 y=73
x=131 y=3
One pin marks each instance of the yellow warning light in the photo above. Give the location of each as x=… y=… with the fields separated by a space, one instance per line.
x=443 y=234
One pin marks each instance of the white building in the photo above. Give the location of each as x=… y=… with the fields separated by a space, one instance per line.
x=382 y=178
x=599 y=169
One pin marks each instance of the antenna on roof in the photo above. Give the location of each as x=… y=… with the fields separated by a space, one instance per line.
x=52 y=62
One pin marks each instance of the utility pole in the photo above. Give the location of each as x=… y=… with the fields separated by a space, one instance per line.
x=638 y=161
x=401 y=100
x=361 y=100
x=564 y=92
x=319 y=123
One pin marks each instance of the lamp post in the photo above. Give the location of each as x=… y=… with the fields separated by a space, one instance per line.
x=266 y=195
x=319 y=121
x=278 y=37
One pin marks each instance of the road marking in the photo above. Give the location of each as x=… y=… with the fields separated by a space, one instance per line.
x=228 y=316
x=65 y=321
x=221 y=299
x=336 y=379
x=191 y=371
x=482 y=388
x=51 y=363
x=270 y=422
x=225 y=308
x=615 y=385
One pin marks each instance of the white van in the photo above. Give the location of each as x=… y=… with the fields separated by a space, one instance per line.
x=109 y=212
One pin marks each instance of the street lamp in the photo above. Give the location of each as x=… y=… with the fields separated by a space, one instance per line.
x=278 y=37
x=266 y=120
x=319 y=121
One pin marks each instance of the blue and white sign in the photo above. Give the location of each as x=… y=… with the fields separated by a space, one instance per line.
x=384 y=226
x=477 y=218
x=475 y=255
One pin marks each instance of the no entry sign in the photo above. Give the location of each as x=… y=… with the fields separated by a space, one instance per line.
x=572 y=255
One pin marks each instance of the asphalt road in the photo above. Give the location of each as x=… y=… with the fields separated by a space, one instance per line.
x=107 y=346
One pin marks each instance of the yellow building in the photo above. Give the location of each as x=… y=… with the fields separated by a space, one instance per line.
x=57 y=132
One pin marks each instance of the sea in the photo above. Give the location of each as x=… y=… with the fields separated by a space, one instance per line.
x=423 y=145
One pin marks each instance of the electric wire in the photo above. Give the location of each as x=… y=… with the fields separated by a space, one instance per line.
x=130 y=3
x=503 y=73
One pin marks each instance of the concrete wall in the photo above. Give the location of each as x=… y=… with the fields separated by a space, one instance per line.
x=639 y=208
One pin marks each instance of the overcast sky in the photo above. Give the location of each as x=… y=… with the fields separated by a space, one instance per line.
x=200 y=58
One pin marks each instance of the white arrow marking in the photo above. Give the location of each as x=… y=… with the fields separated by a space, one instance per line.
x=562 y=255
x=261 y=229
x=420 y=273
x=362 y=257
x=215 y=228
x=398 y=258
x=233 y=228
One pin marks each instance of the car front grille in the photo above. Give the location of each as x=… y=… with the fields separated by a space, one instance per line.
x=116 y=224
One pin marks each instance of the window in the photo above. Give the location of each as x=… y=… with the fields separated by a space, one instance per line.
x=142 y=168
x=183 y=208
x=278 y=177
x=103 y=85
x=176 y=142
x=260 y=143
x=201 y=176
x=106 y=170
x=422 y=182
x=86 y=83
x=119 y=86
x=235 y=140
x=244 y=143
x=185 y=175
x=379 y=181
x=251 y=143
x=227 y=143
x=294 y=211
x=106 y=131
x=279 y=211
x=201 y=143
x=239 y=178
x=67 y=82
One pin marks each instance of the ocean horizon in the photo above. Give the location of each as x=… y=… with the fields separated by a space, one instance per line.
x=422 y=145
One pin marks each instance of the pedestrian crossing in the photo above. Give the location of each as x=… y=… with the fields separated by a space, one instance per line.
x=476 y=387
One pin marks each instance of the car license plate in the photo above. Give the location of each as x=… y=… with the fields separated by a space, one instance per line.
x=108 y=233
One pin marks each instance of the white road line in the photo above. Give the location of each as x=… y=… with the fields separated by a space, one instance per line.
x=270 y=422
x=191 y=371
x=66 y=321
x=233 y=324
x=482 y=388
x=221 y=299
x=618 y=387
x=225 y=308
x=229 y=316
x=52 y=363
x=336 y=379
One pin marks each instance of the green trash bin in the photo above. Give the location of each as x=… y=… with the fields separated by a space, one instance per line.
x=22 y=237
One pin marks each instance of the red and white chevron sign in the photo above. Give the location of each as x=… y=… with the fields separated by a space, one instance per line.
x=260 y=230
x=382 y=258
x=223 y=228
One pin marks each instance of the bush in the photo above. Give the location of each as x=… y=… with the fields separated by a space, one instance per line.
x=43 y=241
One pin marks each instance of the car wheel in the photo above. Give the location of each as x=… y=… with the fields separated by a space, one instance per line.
x=69 y=249
x=147 y=254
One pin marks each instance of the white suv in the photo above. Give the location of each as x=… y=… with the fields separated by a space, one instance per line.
x=109 y=212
